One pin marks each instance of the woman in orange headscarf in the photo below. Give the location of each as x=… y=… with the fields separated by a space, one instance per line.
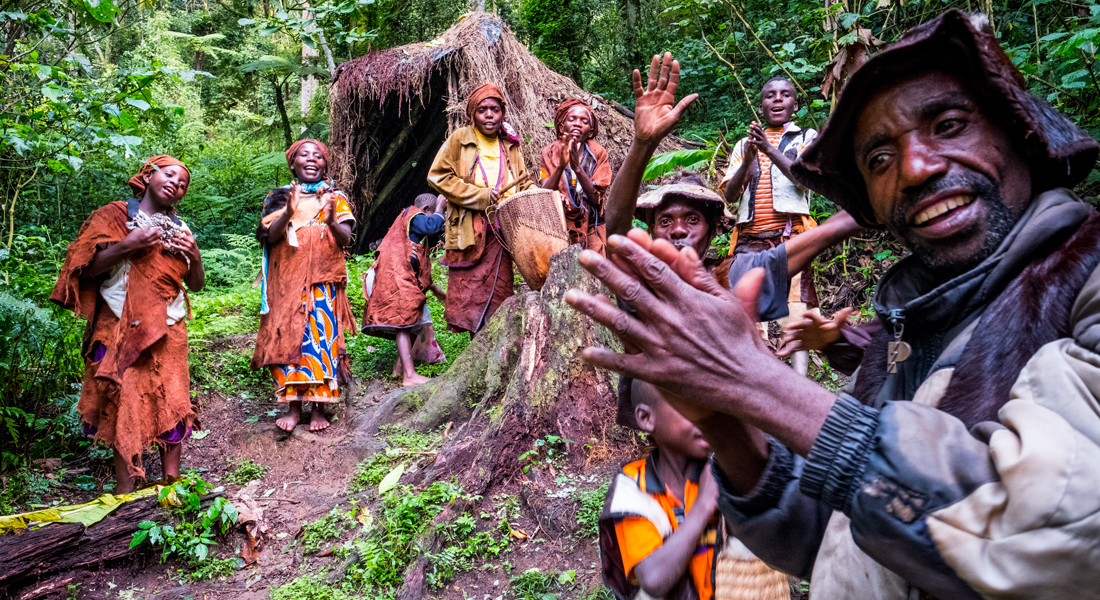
x=478 y=165
x=304 y=309
x=125 y=274
x=578 y=167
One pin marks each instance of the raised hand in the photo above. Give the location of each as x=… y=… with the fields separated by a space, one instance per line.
x=574 y=153
x=655 y=107
x=441 y=205
x=759 y=141
x=566 y=149
x=292 y=201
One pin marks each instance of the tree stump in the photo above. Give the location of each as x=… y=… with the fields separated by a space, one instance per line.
x=521 y=379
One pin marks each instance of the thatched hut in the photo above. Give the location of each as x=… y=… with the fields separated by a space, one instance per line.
x=391 y=110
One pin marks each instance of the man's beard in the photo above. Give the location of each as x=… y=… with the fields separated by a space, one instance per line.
x=997 y=225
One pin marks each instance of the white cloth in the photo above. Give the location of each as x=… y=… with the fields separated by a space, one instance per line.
x=113 y=291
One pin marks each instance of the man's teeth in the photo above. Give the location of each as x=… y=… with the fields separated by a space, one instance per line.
x=941 y=207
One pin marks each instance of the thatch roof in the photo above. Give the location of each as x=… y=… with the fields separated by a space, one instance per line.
x=391 y=110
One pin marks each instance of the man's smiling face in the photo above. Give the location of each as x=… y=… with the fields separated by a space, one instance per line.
x=940 y=174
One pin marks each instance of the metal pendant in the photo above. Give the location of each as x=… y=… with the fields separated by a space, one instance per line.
x=896 y=352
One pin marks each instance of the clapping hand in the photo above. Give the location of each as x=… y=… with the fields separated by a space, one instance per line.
x=758 y=141
x=812 y=332
x=328 y=206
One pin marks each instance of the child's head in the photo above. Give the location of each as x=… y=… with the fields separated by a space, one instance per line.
x=308 y=160
x=670 y=431
x=426 y=203
x=778 y=101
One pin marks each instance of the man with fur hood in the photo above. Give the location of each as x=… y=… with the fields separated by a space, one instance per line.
x=964 y=460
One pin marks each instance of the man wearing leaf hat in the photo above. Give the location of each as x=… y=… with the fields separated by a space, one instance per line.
x=964 y=460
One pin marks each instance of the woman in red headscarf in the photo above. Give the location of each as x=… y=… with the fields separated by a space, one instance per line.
x=125 y=274
x=478 y=165
x=578 y=167
x=304 y=310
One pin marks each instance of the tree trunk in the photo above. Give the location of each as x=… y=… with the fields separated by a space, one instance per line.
x=521 y=379
x=281 y=107
x=33 y=556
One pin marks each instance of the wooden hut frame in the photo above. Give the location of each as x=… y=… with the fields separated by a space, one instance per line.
x=391 y=111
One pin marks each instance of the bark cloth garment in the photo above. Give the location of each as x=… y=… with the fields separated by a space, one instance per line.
x=304 y=305
x=397 y=297
x=639 y=513
x=480 y=276
x=584 y=223
x=136 y=382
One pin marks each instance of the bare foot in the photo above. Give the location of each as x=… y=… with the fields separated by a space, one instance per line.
x=317 y=419
x=397 y=367
x=290 y=420
x=415 y=379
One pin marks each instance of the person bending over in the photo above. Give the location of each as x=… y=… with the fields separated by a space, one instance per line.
x=396 y=284
x=476 y=167
x=125 y=274
x=304 y=309
x=578 y=167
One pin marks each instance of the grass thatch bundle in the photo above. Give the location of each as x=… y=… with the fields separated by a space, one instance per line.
x=392 y=109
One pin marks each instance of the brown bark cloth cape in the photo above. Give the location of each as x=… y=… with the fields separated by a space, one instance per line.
x=136 y=382
x=307 y=257
x=585 y=223
x=480 y=276
x=396 y=302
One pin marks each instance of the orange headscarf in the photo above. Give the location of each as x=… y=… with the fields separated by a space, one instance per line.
x=137 y=182
x=293 y=150
x=563 y=110
x=485 y=90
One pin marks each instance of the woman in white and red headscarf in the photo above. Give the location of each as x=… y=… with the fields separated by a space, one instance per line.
x=125 y=274
x=579 y=168
x=477 y=166
x=304 y=308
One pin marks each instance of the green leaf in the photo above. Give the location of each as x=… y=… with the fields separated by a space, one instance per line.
x=139 y=537
x=139 y=104
x=665 y=163
x=101 y=10
x=243 y=22
x=268 y=30
x=391 y=479
x=255 y=418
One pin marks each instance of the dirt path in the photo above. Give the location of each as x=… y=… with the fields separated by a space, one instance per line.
x=308 y=476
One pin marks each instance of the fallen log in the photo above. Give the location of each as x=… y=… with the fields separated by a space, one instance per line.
x=32 y=556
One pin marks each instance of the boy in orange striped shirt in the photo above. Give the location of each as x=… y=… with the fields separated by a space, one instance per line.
x=659 y=525
x=771 y=205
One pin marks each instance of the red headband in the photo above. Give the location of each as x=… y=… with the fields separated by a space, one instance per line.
x=137 y=182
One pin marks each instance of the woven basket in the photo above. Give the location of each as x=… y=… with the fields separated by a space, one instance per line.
x=748 y=578
x=532 y=225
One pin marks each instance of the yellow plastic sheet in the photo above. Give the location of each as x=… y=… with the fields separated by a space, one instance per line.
x=87 y=514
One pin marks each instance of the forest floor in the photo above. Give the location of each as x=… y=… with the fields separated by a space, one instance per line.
x=331 y=532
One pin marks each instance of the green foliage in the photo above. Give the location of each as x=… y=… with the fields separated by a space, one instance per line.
x=662 y=164
x=588 y=512
x=547 y=450
x=309 y=587
x=190 y=541
x=246 y=471
x=559 y=33
x=406 y=438
x=534 y=584
x=22 y=486
x=369 y=473
x=329 y=527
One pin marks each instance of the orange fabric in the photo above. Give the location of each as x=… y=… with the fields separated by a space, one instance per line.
x=141 y=387
x=137 y=182
x=483 y=91
x=764 y=216
x=397 y=298
x=293 y=149
x=576 y=218
x=638 y=537
x=317 y=259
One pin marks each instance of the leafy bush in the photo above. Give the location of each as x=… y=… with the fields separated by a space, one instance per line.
x=309 y=587
x=190 y=541
x=246 y=471
x=329 y=527
x=369 y=473
x=588 y=513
